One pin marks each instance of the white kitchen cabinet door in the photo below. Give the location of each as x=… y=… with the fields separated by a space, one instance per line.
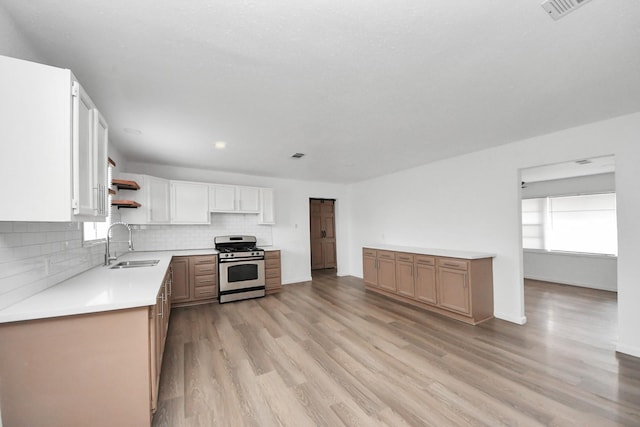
x=222 y=198
x=248 y=199
x=267 y=207
x=158 y=200
x=50 y=143
x=189 y=203
x=84 y=198
x=101 y=186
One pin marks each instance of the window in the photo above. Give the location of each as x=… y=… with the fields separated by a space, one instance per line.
x=98 y=230
x=585 y=223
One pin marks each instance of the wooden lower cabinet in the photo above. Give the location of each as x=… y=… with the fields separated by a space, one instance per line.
x=97 y=369
x=425 y=279
x=273 y=272
x=458 y=288
x=405 y=283
x=370 y=266
x=203 y=277
x=453 y=288
x=158 y=328
x=195 y=279
x=180 y=268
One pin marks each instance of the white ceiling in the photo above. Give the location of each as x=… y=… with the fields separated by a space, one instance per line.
x=363 y=87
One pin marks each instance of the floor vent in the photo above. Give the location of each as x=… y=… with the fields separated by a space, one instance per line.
x=559 y=8
x=297 y=155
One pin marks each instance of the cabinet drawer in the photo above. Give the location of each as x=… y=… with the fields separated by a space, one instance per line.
x=369 y=252
x=206 y=292
x=200 y=281
x=386 y=255
x=203 y=259
x=272 y=263
x=452 y=263
x=204 y=269
x=404 y=257
x=271 y=254
x=425 y=260
x=271 y=273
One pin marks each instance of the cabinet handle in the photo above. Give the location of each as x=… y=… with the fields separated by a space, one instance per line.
x=161 y=297
x=448 y=264
x=170 y=280
x=412 y=271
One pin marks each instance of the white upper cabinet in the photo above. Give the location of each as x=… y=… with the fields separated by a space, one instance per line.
x=234 y=198
x=189 y=203
x=153 y=197
x=54 y=143
x=267 y=207
x=222 y=198
x=158 y=200
x=248 y=199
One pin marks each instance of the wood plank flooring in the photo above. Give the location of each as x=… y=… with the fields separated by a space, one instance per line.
x=329 y=353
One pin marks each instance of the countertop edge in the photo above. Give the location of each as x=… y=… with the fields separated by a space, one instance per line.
x=121 y=289
x=449 y=253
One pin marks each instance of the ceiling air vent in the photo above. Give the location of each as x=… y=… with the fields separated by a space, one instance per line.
x=559 y=8
x=297 y=156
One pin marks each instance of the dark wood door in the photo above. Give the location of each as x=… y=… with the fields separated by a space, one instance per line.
x=323 y=233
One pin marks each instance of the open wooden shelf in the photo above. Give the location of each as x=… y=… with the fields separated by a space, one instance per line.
x=123 y=184
x=131 y=204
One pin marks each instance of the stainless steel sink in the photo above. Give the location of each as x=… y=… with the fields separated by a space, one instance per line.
x=136 y=264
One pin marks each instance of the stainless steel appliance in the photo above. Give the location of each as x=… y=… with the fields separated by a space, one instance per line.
x=240 y=268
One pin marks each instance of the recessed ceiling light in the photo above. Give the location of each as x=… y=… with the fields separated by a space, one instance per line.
x=220 y=144
x=297 y=155
x=132 y=131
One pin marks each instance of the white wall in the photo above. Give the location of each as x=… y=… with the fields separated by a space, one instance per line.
x=291 y=231
x=585 y=270
x=13 y=43
x=472 y=202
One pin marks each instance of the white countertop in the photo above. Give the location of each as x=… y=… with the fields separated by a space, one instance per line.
x=100 y=289
x=432 y=251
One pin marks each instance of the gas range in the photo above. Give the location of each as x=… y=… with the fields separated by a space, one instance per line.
x=241 y=269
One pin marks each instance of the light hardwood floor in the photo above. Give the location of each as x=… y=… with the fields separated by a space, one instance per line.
x=330 y=353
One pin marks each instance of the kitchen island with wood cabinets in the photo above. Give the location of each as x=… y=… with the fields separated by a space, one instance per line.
x=457 y=284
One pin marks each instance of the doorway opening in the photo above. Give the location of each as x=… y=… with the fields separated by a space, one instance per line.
x=569 y=242
x=322 y=228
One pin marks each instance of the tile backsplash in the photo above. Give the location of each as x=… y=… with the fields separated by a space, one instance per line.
x=37 y=255
x=160 y=237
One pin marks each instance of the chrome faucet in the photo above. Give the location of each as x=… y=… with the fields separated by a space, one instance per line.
x=107 y=256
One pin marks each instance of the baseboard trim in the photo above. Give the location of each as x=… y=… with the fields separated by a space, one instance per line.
x=519 y=320
x=629 y=350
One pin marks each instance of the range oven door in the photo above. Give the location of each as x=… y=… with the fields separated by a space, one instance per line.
x=241 y=274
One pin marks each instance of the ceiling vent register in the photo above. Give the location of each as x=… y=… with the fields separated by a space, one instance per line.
x=559 y=8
